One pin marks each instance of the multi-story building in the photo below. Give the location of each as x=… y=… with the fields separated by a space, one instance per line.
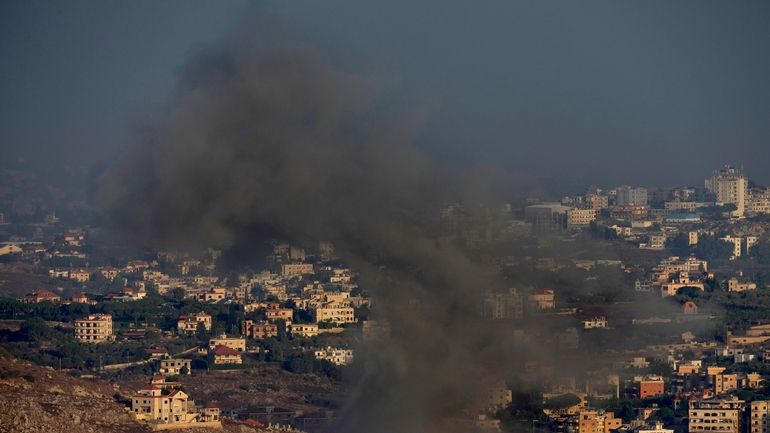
x=626 y=195
x=709 y=416
x=290 y=269
x=681 y=206
x=657 y=241
x=542 y=299
x=215 y=294
x=597 y=422
x=499 y=396
x=224 y=355
x=235 y=343
x=759 y=417
x=595 y=323
x=729 y=186
x=335 y=355
x=175 y=366
x=724 y=383
x=80 y=275
x=758 y=201
x=651 y=386
x=38 y=296
x=275 y=313
x=259 y=331
x=335 y=313
x=735 y=285
x=189 y=323
x=657 y=427
x=692 y=238
x=171 y=410
x=580 y=217
x=630 y=212
x=502 y=306
x=96 y=328
x=303 y=329
x=547 y=216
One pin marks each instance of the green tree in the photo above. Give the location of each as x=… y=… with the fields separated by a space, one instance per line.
x=712 y=248
x=761 y=251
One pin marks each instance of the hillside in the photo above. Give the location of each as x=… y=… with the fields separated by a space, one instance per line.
x=35 y=399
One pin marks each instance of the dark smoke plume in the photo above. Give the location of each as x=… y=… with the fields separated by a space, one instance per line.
x=268 y=139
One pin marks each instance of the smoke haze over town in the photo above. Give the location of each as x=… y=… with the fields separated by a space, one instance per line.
x=317 y=217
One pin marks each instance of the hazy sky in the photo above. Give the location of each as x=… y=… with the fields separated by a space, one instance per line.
x=563 y=93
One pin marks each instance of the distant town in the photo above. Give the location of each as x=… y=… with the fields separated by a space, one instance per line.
x=658 y=296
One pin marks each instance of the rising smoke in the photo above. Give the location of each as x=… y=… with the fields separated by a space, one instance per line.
x=268 y=139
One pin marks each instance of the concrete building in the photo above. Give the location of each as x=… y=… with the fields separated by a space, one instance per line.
x=597 y=422
x=499 y=396
x=759 y=420
x=234 y=343
x=189 y=323
x=651 y=386
x=96 y=328
x=709 y=416
x=626 y=195
x=656 y=241
x=692 y=238
x=285 y=314
x=333 y=312
x=735 y=285
x=595 y=323
x=290 y=269
x=224 y=355
x=758 y=201
x=80 y=275
x=547 y=217
x=729 y=186
x=502 y=306
x=171 y=410
x=654 y=428
x=174 y=367
x=580 y=217
x=10 y=249
x=542 y=299
x=303 y=330
x=724 y=383
x=630 y=212
x=38 y=296
x=335 y=355
x=259 y=331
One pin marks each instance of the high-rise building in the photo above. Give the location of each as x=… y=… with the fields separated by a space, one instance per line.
x=627 y=195
x=729 y=186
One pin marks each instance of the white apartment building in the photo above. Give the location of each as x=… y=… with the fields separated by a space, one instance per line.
x=730 y=186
